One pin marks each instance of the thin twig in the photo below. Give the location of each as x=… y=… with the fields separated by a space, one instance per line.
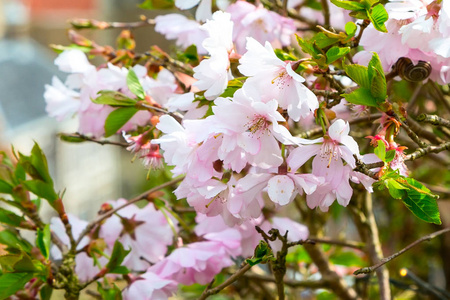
x=424 y=151
x=142 y=196
x=326 y=13
x=413 y=136
x=96 y=24
x=383 y=261
x=89 y=139
x=311 y=284
x=212 y=291
x=433 y=119
x=349 y=244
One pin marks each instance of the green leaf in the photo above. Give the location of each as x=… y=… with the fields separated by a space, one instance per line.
x=361 y=96
x=307 y=47
x=380 y=150
x=119 y=270
x=134 y=85
x=396 y=190
x=71 y=138
x=10 y=283
x=335 y=53
x=113 y=293
x=43 y=239
x=359 y=14
x=13 y=240
x=378 y=87
x=42 y=189
x=262 y=254
x=350 y=29
x=283 y=55
x=5 y=187
x=36 y=165
x=191 y=53
x=421 y=202
x=117 y=118
x=10 y=218
x=378 y=16
x=46 y=292
x=157 y=4
x=113 y=98
x=323 y=41
x=390 y=155
x=118 y=255
x=350 y=5
x=359 y=74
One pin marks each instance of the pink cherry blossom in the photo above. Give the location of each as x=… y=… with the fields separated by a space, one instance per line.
x=186 y=32
x=334 y=147
x=214 y=72
x=261 y=24
x=271 y=78
x=145 y=230
x=296 y=231
x=150 y=286
x=196 y=263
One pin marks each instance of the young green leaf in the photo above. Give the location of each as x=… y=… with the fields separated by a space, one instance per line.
x=350 y=5
x=380 y=150
x=117 y=118
x=43 y=239
x=14 y=241
x=350 y=29
x=10 y=218
x=118 y=255
x=390 y=155
x=359 y=74
x=134 y=85
x=335 y=53
x=378 y=16
x=10 y=283
x=45 y=292
x=5 y=187
x=113 y=98
x=361 y=96
x=41 y=189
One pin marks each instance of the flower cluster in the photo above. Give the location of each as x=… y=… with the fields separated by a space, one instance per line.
x=417 y=29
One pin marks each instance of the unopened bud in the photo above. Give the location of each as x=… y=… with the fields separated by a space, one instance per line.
x=105 y=208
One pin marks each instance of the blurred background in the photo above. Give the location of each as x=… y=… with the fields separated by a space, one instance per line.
x=90 y=173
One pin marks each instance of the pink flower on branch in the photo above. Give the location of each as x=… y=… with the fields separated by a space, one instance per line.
x=271 y=78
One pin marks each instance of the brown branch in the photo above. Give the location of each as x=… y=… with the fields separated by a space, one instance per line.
x=349 y=244
x=383 y=261
x=440 y=95
x=424 y=151
x=212 y=291
x=312 y=284
x=96 y=24
x=362 y=26
x=326 y=13
x=142 y=196
x=89 y=139
x=433 y=119
x=412 y=135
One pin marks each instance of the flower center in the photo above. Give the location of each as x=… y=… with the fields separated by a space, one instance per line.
x=281 y=80
x=258 y=124
x=329 y=150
